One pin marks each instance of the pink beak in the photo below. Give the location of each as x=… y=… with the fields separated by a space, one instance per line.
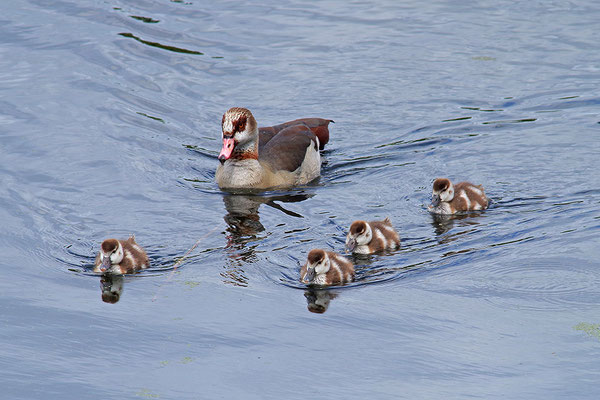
x=228 y=145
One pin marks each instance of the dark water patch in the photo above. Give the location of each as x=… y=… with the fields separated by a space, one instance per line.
x=456 y=119
x=482 y=109
x=160 y=45
x=509 y=121
x=150 y=117
x=146 y=20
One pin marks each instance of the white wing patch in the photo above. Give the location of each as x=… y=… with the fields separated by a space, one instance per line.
x=381 y=237
x=389 y=228
x=463 y=194
x=336 y=266
x=476 y=190
x=130 y=257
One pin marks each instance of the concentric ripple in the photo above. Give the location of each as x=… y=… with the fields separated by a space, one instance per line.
x=542 y=284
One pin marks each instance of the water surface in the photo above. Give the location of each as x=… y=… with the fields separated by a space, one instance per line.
x=109 y=125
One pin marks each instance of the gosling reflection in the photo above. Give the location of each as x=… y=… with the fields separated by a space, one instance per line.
x=244 y=228
x=318 y=300
x=111 y=287
x=442 y=224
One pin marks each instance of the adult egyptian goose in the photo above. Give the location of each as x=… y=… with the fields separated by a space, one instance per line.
x=326 y=268
x=120 y=257
x=450 y=199
x=370 y=237
x=278 y=156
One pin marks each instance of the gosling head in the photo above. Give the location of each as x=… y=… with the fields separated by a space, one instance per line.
x=443 y=190
x=360 y=234
x=111 y=253
x=317 y=263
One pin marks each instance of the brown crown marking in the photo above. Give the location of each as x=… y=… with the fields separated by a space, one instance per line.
x=110 y=245
x=240 y=124
x=358 y=227
x=315 y=256
x=239 y=110
x=241 y=118
x=441 y=184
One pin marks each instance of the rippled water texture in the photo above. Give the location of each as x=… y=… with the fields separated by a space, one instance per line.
x=110 y=124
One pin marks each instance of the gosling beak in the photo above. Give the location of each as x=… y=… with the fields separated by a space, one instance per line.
x=228 y=145
x=435 y=200
x=106 y=264
x=310 y=275
x=350 y=244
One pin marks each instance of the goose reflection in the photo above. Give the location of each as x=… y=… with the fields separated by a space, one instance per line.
x=318 y=300
x=111 y=287
x=244 y=229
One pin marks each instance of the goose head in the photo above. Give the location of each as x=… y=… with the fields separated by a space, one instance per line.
x=240 y=134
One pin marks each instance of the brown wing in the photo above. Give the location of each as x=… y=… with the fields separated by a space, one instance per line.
x=388 y=230
x=318 y=126
x=461 y=185
x=264 y=135
x=459 y=203
x=346 y=273
x=287 y=149
x=139 y=255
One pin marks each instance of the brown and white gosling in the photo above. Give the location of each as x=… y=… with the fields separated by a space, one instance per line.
x=450 y=199
x=120 y=257
x=370 y=237
x=326 y=268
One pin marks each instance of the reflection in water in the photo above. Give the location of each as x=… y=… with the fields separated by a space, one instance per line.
x=243 y=226
x=112 y=287
x=318 y=300
x=242 y=216
x=443 y=223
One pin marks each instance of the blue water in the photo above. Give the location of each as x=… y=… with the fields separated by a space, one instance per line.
x=110 y=125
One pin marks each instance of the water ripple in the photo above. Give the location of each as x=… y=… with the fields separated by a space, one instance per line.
x=542 y=284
